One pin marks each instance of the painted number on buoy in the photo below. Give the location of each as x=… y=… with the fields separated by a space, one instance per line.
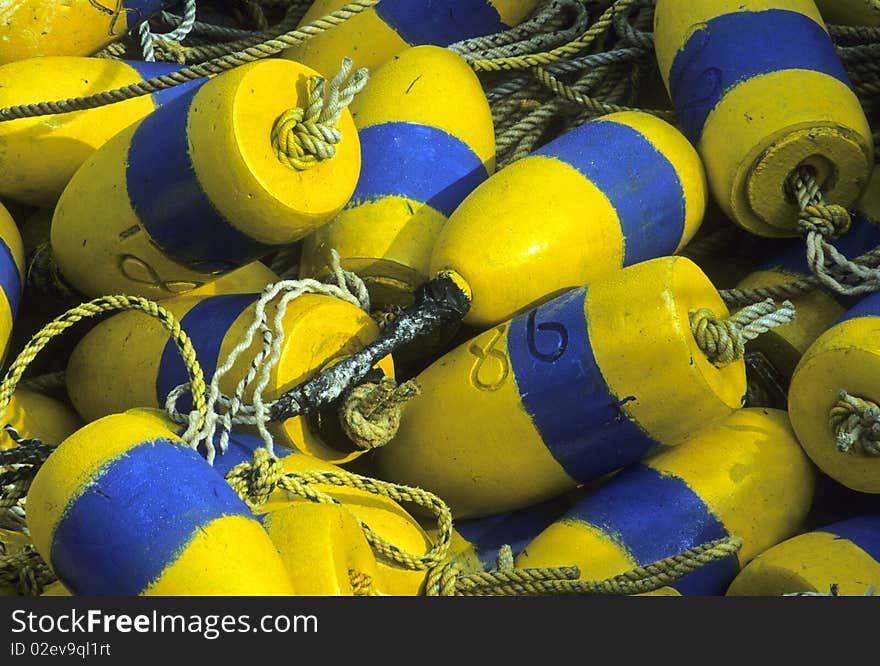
x=493 y=377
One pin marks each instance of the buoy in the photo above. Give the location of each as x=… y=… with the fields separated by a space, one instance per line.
x=760 y=90
x=427 y=141
x=41 y=154
x=745 y=477
x=850 y=12
x=562 y=394
x=835 y=431
x=613 y=192
x=197 y=189
x=376 y=35
x=123 y=507
x=844 y=555
x=37 y=416
x=33 y=28
x=384 y=516
x=11 y=276
x=129 y=361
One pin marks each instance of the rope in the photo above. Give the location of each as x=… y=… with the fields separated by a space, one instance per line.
x=506 y=580
x=203 y=422
x=229 y=61
x=855 y=423
x=26 y=571
x=723 y=340
x=177 y=35
x=361 y=583
x=254 y=481
x=370 y=414
x=91 y=309
x=303 y=137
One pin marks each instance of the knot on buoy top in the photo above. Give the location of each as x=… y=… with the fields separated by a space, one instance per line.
x=828 y=220
x=302 y=137
x=254 y=481
x=361 y=583
x=723 y=340
x=855 y=423
x=370 y=414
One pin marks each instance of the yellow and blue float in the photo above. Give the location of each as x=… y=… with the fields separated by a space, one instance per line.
x=34 y=28
x=846 y=357
x=11 y=276
x=746 y=477
x=41 y=154
x=426 y=136
x=376 y=35
x=128 y=361
x=197 y=189
x=562 y=394
x=613 y=192
x=760 y=90
x=123 y=507
x=845 y=555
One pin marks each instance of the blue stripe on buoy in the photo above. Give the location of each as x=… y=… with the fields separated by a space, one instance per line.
x=138 y=10
x=639 y=181
x=863 y=531
x=137 y=517
x=149 y=70
x=169 y=201
x=515 y=528
x=862 y=236
x=440 y=22
x=418 y=162
x=241 y=449
x=655 y=516
x=561 y=387
x=736 y=47
x=206 y=323
x=869 y=306
x=10 y=278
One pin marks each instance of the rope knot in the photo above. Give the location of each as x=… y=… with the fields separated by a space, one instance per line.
x=828 y=220
x=855 y=423
x=302 y=137
x=723 y=340
x=361 y=583
x=370 y=414
x=254 y=481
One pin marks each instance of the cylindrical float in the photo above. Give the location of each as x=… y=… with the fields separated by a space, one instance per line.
x=41 y=154
x=613 y=192
x=845 y=357
x=746 y=477
x=594 y=380
x=33 y=28
x=384 y=516
x=34 y=415
x=123 y=507
x=427 y=141
x=845 y=555
x=129 y=361
x=11 y=276
x=196 y=189
x=760 y=90
x=375 y=36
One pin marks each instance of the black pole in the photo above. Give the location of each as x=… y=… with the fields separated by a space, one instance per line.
x=437 y=302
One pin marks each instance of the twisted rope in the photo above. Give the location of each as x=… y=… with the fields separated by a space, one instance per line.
x=303 y=137
x=254 y=481
x=855 y=423
x=370 y=414
x=177 y=35
x=507 y=580
x=26 y=571
x=723 y=340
